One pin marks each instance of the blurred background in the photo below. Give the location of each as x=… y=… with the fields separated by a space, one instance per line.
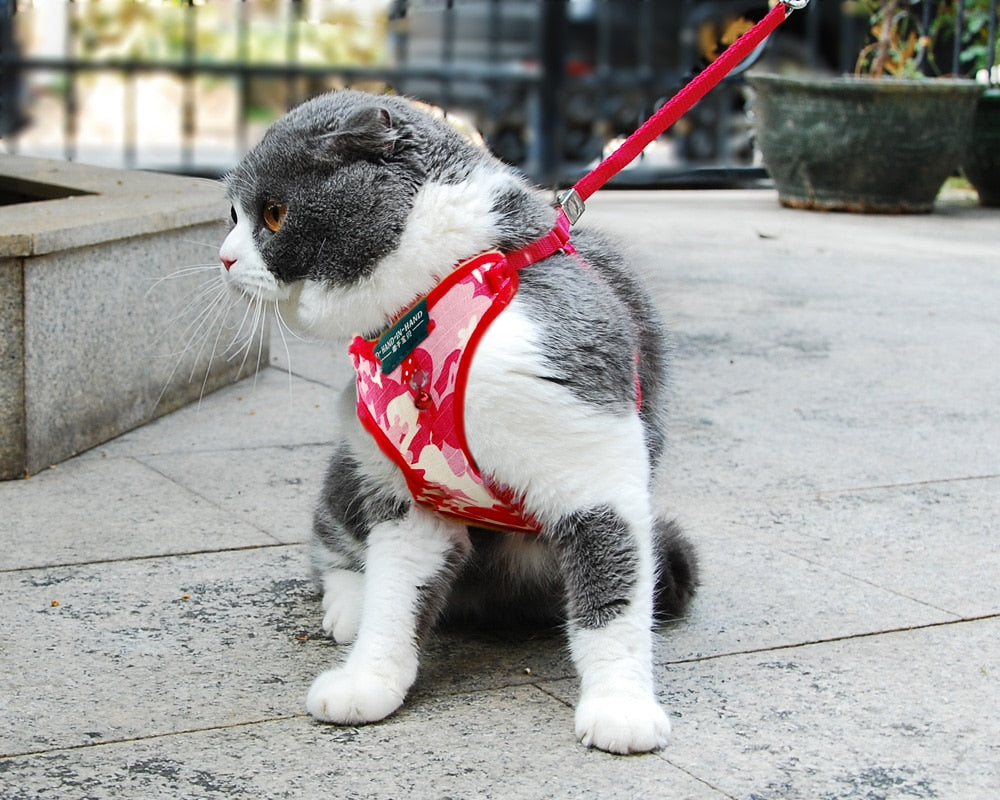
x=186 y=86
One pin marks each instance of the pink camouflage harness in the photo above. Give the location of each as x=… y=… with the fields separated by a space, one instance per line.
x=411 y=380
x=411 y=386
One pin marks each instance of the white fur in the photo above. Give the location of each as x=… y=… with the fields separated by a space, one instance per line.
x=343 y=590
x=248 y=273
x=533 y=435
x=403 y=555
x=447 y=223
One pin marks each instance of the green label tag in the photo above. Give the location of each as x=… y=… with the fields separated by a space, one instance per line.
x=402 y=338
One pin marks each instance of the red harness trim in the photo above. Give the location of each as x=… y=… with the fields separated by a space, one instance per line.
x=425 y=419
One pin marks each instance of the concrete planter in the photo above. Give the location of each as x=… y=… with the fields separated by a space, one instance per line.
x=88 y=348
x=862 y=144
x=982 y=163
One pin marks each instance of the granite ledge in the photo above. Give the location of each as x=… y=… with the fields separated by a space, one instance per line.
x=102 y=205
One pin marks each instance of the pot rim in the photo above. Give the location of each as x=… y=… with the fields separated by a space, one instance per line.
x=863 y=83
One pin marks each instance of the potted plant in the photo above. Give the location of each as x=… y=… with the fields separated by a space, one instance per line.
x=881 y=140
x=982 y=161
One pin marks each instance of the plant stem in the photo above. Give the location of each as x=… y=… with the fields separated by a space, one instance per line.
x=884 y=38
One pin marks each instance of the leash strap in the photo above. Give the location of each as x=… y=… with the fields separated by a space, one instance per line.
x=572 y=201
x=553 y=241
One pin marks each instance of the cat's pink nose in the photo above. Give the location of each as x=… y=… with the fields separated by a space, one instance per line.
x=228 y=262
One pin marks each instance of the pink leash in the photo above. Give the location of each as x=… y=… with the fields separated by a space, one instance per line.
x=571 y=202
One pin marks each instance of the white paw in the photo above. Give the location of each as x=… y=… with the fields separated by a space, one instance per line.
x=619 y=724
x=348 y=697
x=342 y=591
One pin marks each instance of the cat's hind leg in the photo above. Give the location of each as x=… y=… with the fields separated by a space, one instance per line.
x=606 y=559
x=410 y=565
x=343 y=593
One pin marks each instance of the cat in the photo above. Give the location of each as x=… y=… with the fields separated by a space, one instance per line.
x=351 y=207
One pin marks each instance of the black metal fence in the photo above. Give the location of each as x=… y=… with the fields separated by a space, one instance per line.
x=549 y=83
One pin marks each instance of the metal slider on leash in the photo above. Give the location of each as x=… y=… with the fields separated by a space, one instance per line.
x=573 y=201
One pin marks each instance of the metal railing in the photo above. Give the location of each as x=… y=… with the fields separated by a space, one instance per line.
x=549 y=83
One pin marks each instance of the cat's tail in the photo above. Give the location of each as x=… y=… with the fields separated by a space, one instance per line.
x=677 y=571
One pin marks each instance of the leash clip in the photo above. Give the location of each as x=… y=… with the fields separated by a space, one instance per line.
x=571 y=203
x=795 y=5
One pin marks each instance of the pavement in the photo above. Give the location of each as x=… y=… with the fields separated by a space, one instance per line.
x=835 y=455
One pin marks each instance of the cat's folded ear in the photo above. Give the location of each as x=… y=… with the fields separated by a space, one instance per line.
x=366 y=133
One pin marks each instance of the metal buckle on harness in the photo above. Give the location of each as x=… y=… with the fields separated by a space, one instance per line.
x=571 y=202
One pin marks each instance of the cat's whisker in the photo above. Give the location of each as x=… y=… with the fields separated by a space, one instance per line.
x=260 y=329
x=245 y=342
x=205 y=299
x=286 y=326
x=260 y=326
x=204 y=289
x=181 y=272
x=235 y=346
x=209 y=266
x=281 y=325
x=220 y=309
x=210 y=245
x=204 y=316
x=217 y=183
x=204 y=313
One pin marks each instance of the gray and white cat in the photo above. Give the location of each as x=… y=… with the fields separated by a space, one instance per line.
x=352 y=206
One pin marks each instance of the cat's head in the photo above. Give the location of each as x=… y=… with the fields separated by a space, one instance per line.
x=320 y=206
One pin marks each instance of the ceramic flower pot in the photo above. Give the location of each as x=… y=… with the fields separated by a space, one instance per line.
x=861 y=144
x=982 y=162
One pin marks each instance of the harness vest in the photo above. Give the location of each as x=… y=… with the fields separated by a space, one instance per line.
x=411 y=393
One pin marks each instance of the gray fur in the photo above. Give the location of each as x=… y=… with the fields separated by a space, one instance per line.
x=596 y=551
x=347 y=173
x=352 y=505
x=348 y=167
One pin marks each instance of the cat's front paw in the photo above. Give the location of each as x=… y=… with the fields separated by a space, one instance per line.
x=616 y=724
x=349 y=697
x=342 y=591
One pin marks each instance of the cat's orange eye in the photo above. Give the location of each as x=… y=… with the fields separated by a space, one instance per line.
x=274 y=215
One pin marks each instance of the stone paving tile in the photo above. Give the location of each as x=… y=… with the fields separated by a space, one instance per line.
x=754 y=597
x=511 y=743
x=932 y=542
x=158 y=645
x=273 y=409
x=154 y=646
x=109 y=509
x=911 y=714
x=688 y=227
x=763 y=427
x=274 y=489
x=723 y=447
